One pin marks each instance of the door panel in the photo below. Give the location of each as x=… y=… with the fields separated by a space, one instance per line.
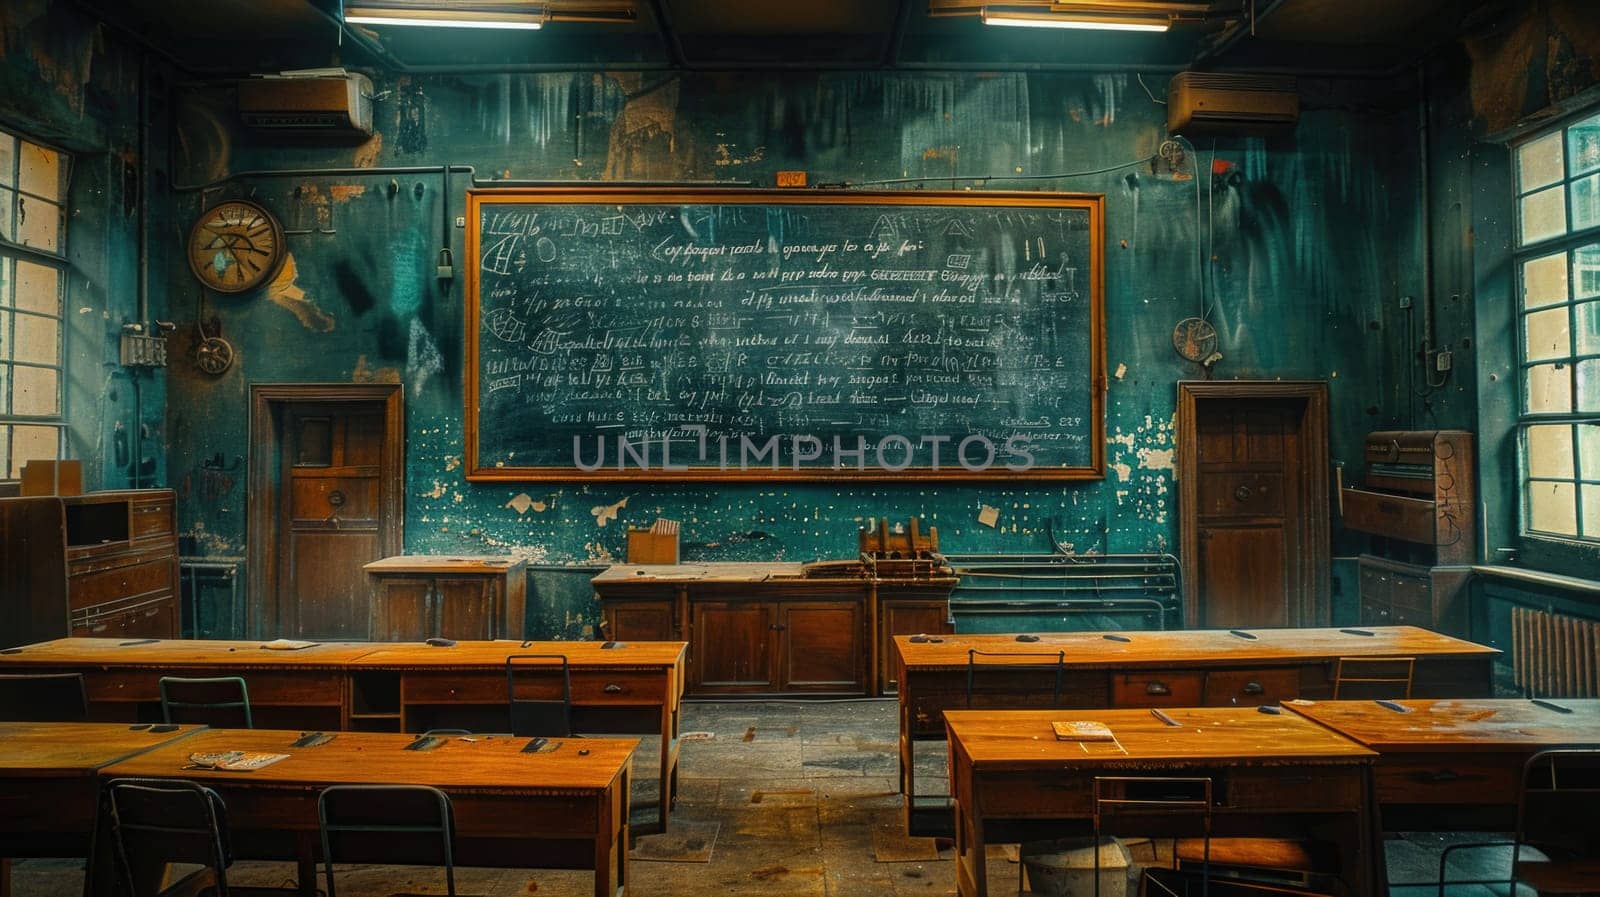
x=1241 y=577
x=823 y=649
x=734 y=645
x=330 y=524
x=907 y=618
x=644 y=621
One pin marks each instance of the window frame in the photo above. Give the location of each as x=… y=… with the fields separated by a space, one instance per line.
x=1565 y=244
x=12 y=253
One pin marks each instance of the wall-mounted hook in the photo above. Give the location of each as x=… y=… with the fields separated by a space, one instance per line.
x=394 y=188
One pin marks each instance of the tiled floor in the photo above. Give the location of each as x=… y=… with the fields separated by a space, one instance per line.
x=797 y=788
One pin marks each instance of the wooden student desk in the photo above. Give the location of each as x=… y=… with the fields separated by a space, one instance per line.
x=553 y=810
x=1454 y=765
x=1185 y=668
x=48 y=783
x=634 y=688
x=1271 y=775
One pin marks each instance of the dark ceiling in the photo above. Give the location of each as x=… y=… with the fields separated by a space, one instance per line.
x=1357 y=37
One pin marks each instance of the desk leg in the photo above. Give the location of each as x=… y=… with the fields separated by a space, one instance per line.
x=972 y=861
x=905 y=744
x=669 y=769
x=611 y=843
x=306 y=850
x=5 y=877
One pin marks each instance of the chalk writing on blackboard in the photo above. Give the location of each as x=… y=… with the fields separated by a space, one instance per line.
x=756 y=335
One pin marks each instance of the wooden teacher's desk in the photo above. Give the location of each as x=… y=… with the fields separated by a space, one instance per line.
x=633 y=688
x=1270 y=776
x=1187 y=668
x=558 y=809
x=1454 y=765
x=48 y=784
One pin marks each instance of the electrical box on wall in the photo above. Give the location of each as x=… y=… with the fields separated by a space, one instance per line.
x=144 y=350
x=1212 y=103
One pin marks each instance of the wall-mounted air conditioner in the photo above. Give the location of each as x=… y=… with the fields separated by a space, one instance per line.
x=336 y=105
x=1211 y=103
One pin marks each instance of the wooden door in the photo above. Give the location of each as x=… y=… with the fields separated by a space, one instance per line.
x=733 y=646
x=1254 y=513
x=902 y=617
x=823 y=647
x=466 y=607
x=402 y=609
x=639 y=621
x=329 y=518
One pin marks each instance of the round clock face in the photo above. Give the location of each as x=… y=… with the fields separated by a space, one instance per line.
x=235 y=246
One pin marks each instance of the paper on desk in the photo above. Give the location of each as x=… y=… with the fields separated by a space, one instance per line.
x=284 y=644
x=235 y=761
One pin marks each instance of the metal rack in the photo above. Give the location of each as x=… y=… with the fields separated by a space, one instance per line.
x=1064 y=590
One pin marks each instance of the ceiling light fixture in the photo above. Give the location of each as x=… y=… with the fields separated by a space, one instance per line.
x=1079 y=20
x=521 y=17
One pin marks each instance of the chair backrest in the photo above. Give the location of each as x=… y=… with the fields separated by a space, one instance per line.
x=1373 y=677
x=222 y=703
x=1151 y=798
x=1560 y=788
x=155 y=821
x=43 y=698
x=406 y=825
x=1023 y=678
x=539 y=695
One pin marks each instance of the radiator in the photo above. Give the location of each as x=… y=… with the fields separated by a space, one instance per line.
x=1555 y=655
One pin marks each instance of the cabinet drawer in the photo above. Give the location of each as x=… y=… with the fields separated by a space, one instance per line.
x=589 y=687
x=152 y=518
x=155 y=617
x=1439 y=780
x=1411 y=592
x=1379 y=614
x=89 y=589
x=1251 y=688
x=1157 y=688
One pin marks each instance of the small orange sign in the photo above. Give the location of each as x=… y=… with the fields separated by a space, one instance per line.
x=791 y=179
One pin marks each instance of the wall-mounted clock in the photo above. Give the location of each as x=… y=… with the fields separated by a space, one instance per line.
x=235 y=246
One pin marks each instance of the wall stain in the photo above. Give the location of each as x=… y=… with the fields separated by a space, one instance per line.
x=285 y=292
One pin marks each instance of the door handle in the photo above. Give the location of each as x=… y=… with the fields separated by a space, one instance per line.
x=1253 y=688
x=612 y=688
x=1242 y=493
x=1157 y=688
x=778 y=627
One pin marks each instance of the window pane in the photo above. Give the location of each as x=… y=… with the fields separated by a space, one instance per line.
x=1544 y=215
x=1539 y=163
x=38 y=224
x=37 y=339
x=1544 y=279
x=1585 y=202
x=1589 y=385
x=1588 y=335
x=1583 y=145
x=5 y=389
x=39 y=171
x=1549 y=389
x=1591 y=511
x=1552 y=508
x=1550 y=451
x=8 y=208
x=32 y=443
x=1586 y=271
x=1589 y=451
x=8 y=160
x=38 y=288
x=35 y=392
x=1548 y=334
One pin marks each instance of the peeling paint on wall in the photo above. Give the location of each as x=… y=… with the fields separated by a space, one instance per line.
x=285 y=292
x=603 y=514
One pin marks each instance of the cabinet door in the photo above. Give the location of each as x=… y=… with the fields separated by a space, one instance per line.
x=147 y=618
x=640 y=621
x=822 y=646
x=466 y=607
x=732 y=646
x=907 y=618
x=401 y=611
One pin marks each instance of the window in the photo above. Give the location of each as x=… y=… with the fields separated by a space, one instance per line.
x=33 y=276
x=1558 y=316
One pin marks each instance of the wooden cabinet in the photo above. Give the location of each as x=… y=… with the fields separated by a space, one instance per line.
x=1399 y=594
x=906 y=616
x=418 y=597
x=756 y=628
x=102 y=564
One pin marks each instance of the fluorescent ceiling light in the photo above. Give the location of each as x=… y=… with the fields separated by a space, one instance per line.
x=525 y=19
x=1072 y=20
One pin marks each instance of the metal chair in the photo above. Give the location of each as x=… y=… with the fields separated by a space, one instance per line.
x=1144 y=796
x=221 y=703
x=531 y=680
x=158 y=821
x=407 y=825
x=1556 y=794
x=1373 y=677
x=1052 y=668
x=43 y=698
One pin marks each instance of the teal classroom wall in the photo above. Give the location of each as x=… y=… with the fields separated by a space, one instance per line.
x=1314 y=237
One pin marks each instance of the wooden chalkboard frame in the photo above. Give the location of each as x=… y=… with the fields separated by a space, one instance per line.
x=1093 y=203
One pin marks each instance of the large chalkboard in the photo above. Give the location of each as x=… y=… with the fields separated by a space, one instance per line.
x=717 y=334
